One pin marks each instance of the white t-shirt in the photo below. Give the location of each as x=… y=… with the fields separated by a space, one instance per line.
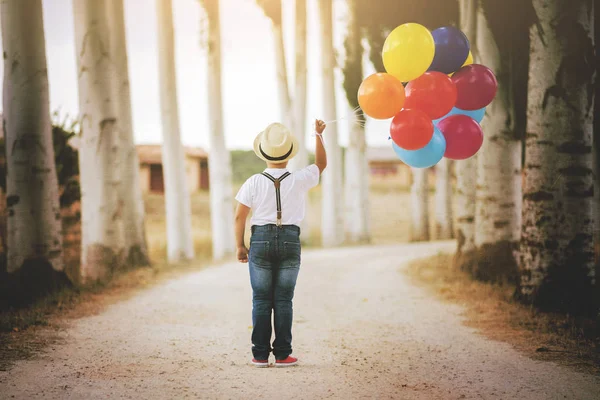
x=258 y=193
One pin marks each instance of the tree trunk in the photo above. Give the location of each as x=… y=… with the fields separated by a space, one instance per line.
x=99 y=164
x=34 y=237
x=332 y=224
x=596 y=143
x=221 y=200
x=299 y=103
x=557 y=265
x=177 y=197
x=466 y=179
x=357 y=187
x=498 y=197
x=466 y=170
x=444 y=228
x=136 y=248
x=419 y=205
x=356 y=176
x=285 y=101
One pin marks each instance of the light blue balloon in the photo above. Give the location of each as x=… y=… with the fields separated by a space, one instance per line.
x=477 y=115
x=426 y=157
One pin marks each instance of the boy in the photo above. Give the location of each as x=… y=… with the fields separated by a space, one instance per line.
x=277 y=198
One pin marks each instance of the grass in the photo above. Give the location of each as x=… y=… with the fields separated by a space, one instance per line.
x=156 y=226
x=492 y=310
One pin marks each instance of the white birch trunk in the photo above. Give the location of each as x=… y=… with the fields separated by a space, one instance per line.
x=557 y=266
x=299 y=100
x=332 y=224
x=136 y=249
x=466 y=179
x=444 y=228
x=466 y=170
x=99 y=164
x=419 y=205
x=221 y=199
x=177 y=197
x=356 y=164
x=285 y=101
x=498 y=197
x=34 y=222
x=357 y=187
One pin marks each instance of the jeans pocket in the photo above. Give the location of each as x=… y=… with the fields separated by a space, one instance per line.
x=292 y=251
x=259 y=252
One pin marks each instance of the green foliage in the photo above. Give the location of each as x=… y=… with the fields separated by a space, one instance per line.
x=65 y=156
x=66 y=159
x=244 y=164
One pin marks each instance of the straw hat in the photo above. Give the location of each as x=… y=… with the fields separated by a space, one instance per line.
x=276 y=144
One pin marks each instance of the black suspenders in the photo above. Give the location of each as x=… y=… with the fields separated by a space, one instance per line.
x=277 y=183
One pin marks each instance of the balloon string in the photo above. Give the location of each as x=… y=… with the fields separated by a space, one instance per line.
x=320 y=136
x=333 y=121
x=355 y=114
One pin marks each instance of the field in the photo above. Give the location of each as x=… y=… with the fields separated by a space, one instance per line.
x=389 y=216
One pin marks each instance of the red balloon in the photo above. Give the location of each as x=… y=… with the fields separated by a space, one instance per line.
x=433 y=93
x=476 y=85
x=411 y=129
x=463 y=134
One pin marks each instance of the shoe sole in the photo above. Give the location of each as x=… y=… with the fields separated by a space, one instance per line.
x=282 y=365
x=260 y=365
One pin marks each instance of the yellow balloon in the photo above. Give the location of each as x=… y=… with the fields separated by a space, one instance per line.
x=408 y=51
x=469 y=61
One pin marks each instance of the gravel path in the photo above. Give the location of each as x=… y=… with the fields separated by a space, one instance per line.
x=362 y=331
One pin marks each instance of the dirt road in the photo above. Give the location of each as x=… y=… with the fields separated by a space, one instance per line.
x=362 y=331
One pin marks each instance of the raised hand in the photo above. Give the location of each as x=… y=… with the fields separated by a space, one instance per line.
x=320 y=126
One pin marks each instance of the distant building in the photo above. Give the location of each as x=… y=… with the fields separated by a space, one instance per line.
x=151 y=168
x=385 y=165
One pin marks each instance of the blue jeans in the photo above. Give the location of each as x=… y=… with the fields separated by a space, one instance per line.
x=274 y=262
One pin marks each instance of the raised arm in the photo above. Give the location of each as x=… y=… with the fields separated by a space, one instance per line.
x=320 y=155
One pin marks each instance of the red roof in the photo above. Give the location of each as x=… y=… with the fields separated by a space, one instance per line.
x=152 y=153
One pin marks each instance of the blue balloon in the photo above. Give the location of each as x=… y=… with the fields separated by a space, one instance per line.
x=451 y=50
x=426 y=157
x=477 y=115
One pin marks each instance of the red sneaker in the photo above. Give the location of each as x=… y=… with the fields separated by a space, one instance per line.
x=288 y=362
x=260 y=363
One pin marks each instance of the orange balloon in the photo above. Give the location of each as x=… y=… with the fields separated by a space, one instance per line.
x=381 y=96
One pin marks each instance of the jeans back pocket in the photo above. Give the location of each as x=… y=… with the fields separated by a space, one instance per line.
x=259 y=252
x=292 y=254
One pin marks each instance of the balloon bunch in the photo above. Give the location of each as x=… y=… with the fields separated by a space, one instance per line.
x=433 y=92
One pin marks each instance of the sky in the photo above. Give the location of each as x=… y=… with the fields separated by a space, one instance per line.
x=248 y=70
